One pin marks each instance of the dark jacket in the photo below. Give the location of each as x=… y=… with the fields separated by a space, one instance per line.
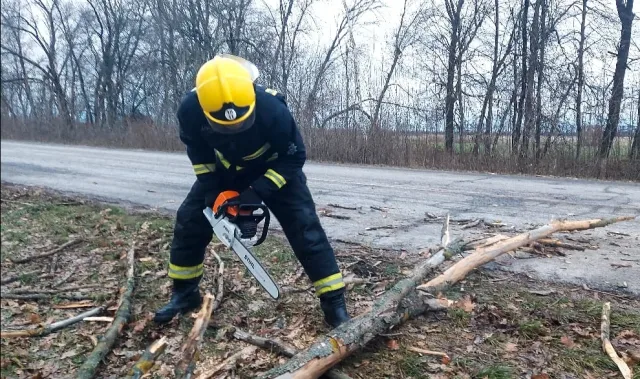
x=271 y=151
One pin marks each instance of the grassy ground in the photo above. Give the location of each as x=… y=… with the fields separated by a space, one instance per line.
x=503 y=326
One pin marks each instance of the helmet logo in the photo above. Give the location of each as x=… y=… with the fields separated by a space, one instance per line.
x=230 y=114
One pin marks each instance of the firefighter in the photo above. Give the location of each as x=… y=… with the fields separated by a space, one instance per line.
x=240 y=136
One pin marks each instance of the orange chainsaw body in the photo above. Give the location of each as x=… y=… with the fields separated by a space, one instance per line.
x=231 y=211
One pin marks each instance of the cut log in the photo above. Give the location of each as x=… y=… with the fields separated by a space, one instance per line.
x=191 y=347
x=47 y=254
x=90 y=366
x=484 y=255
x=44 y=330
x=148 y=358
x=402 y=302
x=606 y=343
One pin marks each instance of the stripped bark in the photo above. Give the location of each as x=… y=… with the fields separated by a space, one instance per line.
x=606 y=343
x=90 y=366
x=49 y=253
x=148 y=358
x=403 y=302
x=53 y=327
x=278 y=347
x=191 y=348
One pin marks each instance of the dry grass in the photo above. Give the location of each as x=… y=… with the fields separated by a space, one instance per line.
x=353 y=146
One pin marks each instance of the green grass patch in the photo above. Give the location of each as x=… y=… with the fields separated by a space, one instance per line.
x=459 y=317
x=495 y=372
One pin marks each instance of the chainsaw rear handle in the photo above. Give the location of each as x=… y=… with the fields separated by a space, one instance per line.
x=248 y=209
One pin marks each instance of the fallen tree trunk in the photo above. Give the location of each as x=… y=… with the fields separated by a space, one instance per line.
x=403 y=302
x=44 y=330
x=191 y=347
x=89 y=367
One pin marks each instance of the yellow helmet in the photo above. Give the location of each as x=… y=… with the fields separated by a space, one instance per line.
x=224 y=86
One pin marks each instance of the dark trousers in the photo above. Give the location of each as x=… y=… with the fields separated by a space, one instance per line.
x=293 y=207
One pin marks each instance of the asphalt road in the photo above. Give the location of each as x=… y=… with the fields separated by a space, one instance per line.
x=161 y=180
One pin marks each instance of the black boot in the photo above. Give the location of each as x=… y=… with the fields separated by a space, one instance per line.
x=185 y=297
x=334 y=307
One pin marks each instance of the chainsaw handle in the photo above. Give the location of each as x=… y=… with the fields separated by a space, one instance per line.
x=265 y=214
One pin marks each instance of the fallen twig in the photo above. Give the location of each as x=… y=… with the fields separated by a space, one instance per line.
x=229 y=363
x=148 y=358
x=52 y=292
x=379 y=209
x=72 y=305
x=472 y=224
x=10 y=279
x=190 y=348
x=218 y=298
x=48 y=254
x=342 y=207
x=44 y=330
x=560 y=244
x=621 y=265
x=380 y=227
x=42 y=296
x=606 y=344
x=65 y=278
x=273 y=345
x=89 y=367
x=427 y=352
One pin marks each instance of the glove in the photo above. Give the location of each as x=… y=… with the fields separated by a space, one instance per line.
x=247 y=197
x=210 y=198
x=248 y=225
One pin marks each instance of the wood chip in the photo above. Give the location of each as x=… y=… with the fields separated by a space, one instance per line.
x=99 y=318
x=427 y=352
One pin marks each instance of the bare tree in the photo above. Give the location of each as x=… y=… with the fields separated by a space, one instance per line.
x=634 y=153
x=583 y=23
x=625 y=12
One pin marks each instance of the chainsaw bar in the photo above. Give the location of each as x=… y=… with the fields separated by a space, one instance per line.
x=227 y=233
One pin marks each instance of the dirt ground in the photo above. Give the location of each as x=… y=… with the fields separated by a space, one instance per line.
x=502 y=325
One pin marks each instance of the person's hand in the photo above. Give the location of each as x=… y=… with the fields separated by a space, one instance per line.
x=248 y=197
x=210 y=199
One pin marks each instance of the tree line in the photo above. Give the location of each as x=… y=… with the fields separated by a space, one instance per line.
x=519 y=85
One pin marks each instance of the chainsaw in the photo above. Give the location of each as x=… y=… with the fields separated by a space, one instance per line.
x=233 y=224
